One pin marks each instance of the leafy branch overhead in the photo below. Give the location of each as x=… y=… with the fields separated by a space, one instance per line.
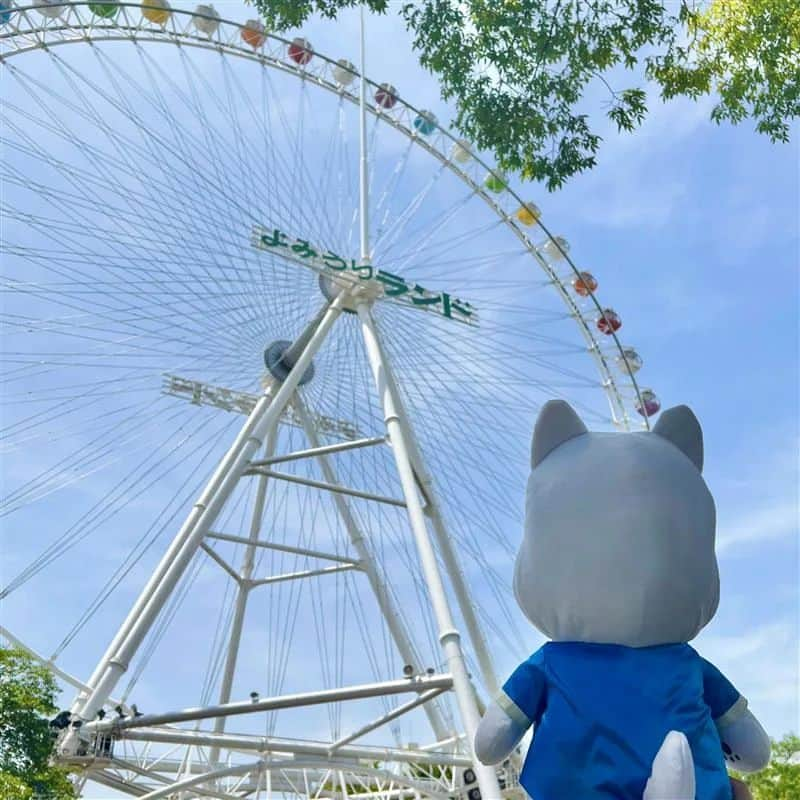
x=524 y=74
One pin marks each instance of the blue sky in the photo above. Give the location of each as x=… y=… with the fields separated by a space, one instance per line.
x=693 y=231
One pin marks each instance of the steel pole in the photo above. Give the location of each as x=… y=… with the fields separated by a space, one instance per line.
x=420 y=685
x=363 y=166
x=245 y=744
x=449 y=636
x=243 y=592
x=385 y=602
x=174 y=548
x=261 y=422
x=445 y=543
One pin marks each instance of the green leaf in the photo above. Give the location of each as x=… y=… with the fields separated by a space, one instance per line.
x=27 y=701
x=519 y=71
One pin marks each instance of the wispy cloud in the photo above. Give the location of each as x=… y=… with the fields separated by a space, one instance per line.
x=760 y=504
x=762 y=663
x=761 y=525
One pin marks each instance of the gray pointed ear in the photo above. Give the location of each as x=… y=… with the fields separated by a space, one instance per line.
x=680 y=426
x=557 y=423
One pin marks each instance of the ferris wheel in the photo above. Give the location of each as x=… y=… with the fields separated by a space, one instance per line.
x=273 y=344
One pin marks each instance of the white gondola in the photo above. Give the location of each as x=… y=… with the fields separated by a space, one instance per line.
x=206 y=19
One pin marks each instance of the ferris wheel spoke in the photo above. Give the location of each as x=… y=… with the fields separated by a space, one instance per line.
x=442 y=246
x=391 y=236
x=86 y=524
x=385 y=203
x=75 y=464
x=295 y=182
x=55 y=224
x=162 y=107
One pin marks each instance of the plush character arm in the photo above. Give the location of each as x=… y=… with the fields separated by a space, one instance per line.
x=497 y=735
x=519 y=705
x=744 y=742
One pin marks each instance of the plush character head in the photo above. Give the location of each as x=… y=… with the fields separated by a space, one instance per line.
x=619 y=532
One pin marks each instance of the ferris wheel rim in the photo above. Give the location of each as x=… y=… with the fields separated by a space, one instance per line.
x=151 y=32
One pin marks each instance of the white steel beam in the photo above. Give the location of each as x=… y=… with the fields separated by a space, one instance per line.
x=385 y=601
x=443 y=539
x=221 y=561
x=295 y=765
x=194 y=780
x=148 y=773
x=172 y=566
x=259 y=744
x=449 y=636
x=114 y=782
x=329 y=487
x=325 y=450
x=388 y=717
x=308 y=573
x=237 y=625
x=452 y=740
x=284 y=548
x=418 y=684
x=363 y=171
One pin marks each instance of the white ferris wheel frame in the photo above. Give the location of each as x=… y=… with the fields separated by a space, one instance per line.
x=259 y=433
x=73 y=27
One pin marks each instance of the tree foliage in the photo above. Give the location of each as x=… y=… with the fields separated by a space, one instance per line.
x=781 y=779
x=27 y=699
x=522 y=73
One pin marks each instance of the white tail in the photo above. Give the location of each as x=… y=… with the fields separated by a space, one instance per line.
x=673 y=771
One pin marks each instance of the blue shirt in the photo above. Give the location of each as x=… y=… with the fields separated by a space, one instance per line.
x=601 y=714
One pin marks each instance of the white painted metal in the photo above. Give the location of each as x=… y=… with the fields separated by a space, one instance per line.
x=329 y=487
x=444 y=541
x=187 y=783
x=325 y=450
x=301 y=551
x=307 y=573
x=417 y=684
x=362 y=146
x=387 y=717
x=417 y=786
x=243 y=592
x=126 y=786
x=384 y=599
x=29 y=32
x=221 y=561
x=266 y=744
x=261 y=422
x=449 y=636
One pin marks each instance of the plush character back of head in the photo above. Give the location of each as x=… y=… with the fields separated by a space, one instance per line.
x=619 y=532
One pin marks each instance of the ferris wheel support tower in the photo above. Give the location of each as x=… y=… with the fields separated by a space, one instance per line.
x=259 y=431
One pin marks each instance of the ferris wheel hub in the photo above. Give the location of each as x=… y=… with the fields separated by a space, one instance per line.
x=279 y=365
x=332 y=287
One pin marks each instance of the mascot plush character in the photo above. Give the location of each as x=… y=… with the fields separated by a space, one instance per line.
x=617 y=568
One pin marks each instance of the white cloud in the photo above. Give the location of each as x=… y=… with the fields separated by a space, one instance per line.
x=762 y=524
x=762 y=662
x=760 y=503
x=641 y=179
